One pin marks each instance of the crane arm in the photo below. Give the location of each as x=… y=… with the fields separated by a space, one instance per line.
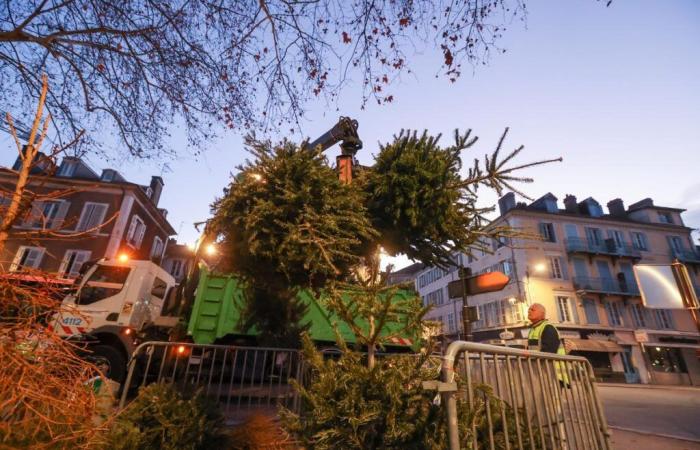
x=345 y=132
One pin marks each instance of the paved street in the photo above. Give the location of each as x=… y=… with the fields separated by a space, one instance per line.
x=668 y=411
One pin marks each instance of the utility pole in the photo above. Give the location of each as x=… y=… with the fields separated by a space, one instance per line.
x=464 y=273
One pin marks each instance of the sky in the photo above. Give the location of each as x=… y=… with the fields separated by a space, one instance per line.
x=613 y=90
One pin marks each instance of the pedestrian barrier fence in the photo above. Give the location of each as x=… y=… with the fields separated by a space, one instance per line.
x=240 y=379
x=506 y=398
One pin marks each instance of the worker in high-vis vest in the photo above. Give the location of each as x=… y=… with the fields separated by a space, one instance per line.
x=544 y=337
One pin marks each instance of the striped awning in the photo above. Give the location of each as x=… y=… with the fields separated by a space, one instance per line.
x=593 y=345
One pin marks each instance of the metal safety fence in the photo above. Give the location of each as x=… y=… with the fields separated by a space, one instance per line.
x=507 y=398
x=239 y=379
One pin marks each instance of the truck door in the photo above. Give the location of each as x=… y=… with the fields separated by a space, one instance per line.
x=97 y=300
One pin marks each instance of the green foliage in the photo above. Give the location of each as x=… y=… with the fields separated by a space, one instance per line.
x=423 y=206
x=288 y=223
x=351 y=406
x=162 y=418
x=287 y=220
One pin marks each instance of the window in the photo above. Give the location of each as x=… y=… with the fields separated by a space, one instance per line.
x=547 y=232
x=27 y=258
x=614 y=312
x=676 y=244
x=639 y=315
x=564 y=309
x=92 y=216
x=665 y=217
x=481 y=323
x=451 y=322
x=72 y=261
x=47 y=214
x=137 y=229
x=516 y=312
x=431 y=276
x=159 y=288
x=594 y=236
x=555 y=268
x=664 y=359
x=171 y=303
x=105 y=282
x=67 y=168
x=664 y=319
x=176 y=268
x=616 y=236
x=157 y=248
x=591 y=310
x=435 y=297
x=507 y=267
x=639 y=240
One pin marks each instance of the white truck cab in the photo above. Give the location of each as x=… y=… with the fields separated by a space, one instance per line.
x=115 y=301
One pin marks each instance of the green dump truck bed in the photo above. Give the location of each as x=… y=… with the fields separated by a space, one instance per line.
x=219 y=301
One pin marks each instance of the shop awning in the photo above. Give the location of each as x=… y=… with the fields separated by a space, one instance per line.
x=593 y=345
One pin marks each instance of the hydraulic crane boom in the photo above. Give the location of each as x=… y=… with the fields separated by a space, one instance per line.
x=345 y=132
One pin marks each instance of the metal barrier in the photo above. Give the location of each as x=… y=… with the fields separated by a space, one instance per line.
x=529 y=399
x=240 y=379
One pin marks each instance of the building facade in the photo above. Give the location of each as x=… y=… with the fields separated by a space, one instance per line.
x=581 y=270
x=79 y=216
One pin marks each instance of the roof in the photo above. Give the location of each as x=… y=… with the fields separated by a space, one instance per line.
x=106 y=184
x=410 y=269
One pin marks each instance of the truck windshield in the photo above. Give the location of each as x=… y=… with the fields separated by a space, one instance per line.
x=105 y=281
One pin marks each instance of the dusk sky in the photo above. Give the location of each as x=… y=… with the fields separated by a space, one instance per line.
x=615 y=91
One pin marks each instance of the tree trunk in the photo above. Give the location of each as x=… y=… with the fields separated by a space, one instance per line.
x=27 y=154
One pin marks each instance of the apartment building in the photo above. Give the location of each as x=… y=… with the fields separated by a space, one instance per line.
x=581 y=270
x=89 y=216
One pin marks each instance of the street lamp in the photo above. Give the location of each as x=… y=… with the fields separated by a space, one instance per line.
x=538 y=268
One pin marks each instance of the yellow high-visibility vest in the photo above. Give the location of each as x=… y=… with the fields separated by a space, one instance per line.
x=535 y=334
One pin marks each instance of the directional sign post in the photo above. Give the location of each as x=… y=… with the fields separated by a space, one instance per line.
x=473 y=285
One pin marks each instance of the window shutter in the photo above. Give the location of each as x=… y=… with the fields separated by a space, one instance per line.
x=18 y=257
x=132 y=229
x=574 y=310
x=57 y=222
x=85 y=217
x=141 y=233
x=80 y=259
x=98 y=215
x=564 y=268
x=35 y=213
x=543 y=231
x=63 y=268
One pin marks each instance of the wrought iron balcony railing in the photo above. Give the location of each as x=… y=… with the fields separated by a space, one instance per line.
x=688 y=256
x=606 y=286
x=605 y=247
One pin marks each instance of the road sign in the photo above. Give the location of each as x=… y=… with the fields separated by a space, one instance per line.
x=666 y=286
x=478 y=284
x=506 y=335
x=641 y=336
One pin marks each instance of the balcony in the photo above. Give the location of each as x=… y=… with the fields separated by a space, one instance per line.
x=607 y=286
x=686 y=256
x=607 y=247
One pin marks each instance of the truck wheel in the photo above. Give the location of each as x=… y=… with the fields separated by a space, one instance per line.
x=112 y=359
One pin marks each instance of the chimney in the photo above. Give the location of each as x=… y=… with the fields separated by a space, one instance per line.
x=163 y=212
x=506 y=203
x=570 y=204
x=156 y=189
x=617 y=208
x=645 y=203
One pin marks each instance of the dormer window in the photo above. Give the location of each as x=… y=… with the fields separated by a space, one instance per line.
x=67 y=168
x=665 y=217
